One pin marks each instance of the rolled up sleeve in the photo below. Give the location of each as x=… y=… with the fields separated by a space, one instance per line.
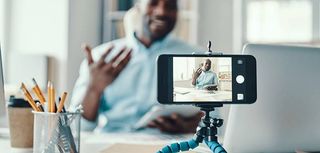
x=79 y=93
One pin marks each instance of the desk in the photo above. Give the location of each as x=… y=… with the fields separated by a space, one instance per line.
x=95 y=142
x=187 y=94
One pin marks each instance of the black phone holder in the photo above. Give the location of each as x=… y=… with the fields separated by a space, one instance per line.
x=209 y=51
x=207 y=129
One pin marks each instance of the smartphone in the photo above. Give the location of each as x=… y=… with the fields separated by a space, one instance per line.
x=206 y=79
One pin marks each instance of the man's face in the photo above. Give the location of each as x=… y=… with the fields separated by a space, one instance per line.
x=207 y=65
x=160 y=17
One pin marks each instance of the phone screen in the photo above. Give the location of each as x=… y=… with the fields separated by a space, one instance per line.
x=206 y=79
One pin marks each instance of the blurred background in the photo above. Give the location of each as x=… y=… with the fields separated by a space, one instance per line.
x=42 y=38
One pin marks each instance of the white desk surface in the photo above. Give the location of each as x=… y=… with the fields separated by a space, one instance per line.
x=95 y=142
x=185 y=94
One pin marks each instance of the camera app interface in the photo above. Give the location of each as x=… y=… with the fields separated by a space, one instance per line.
x=202 y=79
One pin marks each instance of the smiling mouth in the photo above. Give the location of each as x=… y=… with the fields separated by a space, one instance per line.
x=160 y=23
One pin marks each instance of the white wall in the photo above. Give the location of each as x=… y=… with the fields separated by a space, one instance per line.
x=215 y=22
x=84 y=26
x=55 y=28
x=2 y=10
x=219 y=22
x=2 y=26
x=39 y=27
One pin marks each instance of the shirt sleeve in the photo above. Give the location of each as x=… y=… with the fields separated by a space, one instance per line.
x=78 y=95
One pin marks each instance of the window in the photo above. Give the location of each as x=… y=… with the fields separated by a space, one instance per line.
x=281 y=21
x=184 y=68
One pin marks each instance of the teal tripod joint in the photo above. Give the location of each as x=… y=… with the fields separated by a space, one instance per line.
x=177 y=147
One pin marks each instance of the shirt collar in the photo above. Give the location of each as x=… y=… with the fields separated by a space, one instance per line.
x=135 y=43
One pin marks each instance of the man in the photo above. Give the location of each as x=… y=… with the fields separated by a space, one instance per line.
x=204 y=78
x=120 y=83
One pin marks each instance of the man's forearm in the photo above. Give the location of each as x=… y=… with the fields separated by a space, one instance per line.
x=193 y=82
x=91 y=104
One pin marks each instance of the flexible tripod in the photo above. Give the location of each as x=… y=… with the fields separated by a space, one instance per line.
x=206 y=132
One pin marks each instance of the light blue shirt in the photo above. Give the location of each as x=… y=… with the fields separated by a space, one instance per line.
x=134 y=91
x=206 y=78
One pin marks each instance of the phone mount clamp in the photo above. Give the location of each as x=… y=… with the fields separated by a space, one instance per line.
x=206 y=132
x=210 y=52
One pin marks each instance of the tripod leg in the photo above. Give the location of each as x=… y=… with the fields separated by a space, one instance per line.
x=177 y=147
x=215 y=147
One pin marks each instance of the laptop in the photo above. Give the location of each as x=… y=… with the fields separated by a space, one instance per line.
x=3 y=115
x=286 y=115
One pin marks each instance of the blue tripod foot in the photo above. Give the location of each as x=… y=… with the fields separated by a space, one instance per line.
x=215 y=147
x=177 y=147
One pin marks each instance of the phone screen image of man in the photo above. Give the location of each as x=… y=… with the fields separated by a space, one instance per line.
x=202 y=79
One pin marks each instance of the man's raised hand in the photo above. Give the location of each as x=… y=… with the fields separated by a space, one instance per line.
x=103 y=73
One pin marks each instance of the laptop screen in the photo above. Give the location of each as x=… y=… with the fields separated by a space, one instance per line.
x=2 y=99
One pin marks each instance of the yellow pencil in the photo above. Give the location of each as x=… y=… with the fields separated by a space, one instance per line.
x=49 y=97
x=53 y=95
x=38 y=92
x=61 y=103
x=29 y=97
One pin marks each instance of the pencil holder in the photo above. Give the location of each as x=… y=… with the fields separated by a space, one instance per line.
x=56 y=132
